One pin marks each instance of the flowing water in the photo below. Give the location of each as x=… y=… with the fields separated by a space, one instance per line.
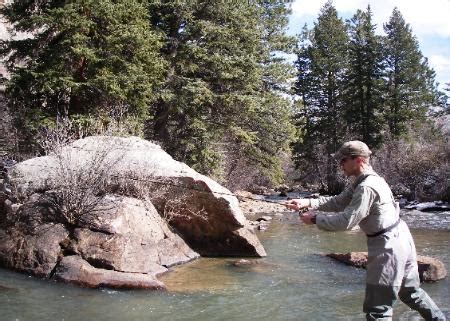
x=292 y=283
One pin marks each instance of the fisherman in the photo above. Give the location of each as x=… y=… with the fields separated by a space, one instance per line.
x=392 y=270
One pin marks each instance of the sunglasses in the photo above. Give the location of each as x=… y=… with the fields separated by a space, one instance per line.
x=343 y=160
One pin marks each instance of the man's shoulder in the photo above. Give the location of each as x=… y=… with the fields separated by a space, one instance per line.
x=374 y=181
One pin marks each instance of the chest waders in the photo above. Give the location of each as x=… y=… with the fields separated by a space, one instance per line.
x=392 y=274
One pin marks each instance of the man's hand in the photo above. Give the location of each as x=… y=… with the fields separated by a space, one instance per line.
x=297 y=204
x=307 y=218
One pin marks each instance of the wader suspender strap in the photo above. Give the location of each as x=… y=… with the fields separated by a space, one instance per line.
x=387 y=229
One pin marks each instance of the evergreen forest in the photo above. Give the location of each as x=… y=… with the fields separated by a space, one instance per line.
x=211 y=82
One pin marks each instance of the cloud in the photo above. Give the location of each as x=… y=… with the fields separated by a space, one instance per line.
x=306 y=8
x=440 y=63
x=429 y=17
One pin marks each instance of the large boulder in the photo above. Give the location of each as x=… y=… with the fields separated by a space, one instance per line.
x=430 y=269
x=205 y=214
x=104 y=204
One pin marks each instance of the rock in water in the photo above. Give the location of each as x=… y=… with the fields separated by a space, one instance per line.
x=73 y=269
x=430 y=269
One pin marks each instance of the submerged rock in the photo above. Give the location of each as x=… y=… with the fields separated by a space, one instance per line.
x=430 y=269
x=73 y=269
x=124 y=228
x=245 y=262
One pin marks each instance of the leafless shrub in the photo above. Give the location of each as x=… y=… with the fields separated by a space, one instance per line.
x=66 y=130
x=237 y=171
x=80 y=178
x=53 y=139
x=177 y=209
x=79 y=185
x=416 y=165
x=155 y=191
x=320 y=171
x=241 y=175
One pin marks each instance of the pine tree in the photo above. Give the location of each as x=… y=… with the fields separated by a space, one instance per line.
x=219 y=89
x=445 y=99
x=364 y=80
x=272 y=119
x=80 y=58
x=322 y=65
x=410 y=81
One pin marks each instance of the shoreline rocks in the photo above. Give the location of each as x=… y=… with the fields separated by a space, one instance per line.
x=437 y=206
x=253 y=204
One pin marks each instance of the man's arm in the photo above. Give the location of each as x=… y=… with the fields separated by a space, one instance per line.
x=358 y=209
x=327 y=204
x=333 y=203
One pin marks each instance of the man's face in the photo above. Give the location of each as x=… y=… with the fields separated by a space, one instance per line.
x=350 y=166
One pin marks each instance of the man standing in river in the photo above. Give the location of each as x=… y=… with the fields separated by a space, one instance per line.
x=368 y=202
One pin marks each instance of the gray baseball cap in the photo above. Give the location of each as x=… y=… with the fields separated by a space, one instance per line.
x=352 y=148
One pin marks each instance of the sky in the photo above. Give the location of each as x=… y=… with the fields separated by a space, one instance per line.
x=429 y=21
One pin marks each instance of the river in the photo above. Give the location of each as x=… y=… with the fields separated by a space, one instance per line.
x=291 y=283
